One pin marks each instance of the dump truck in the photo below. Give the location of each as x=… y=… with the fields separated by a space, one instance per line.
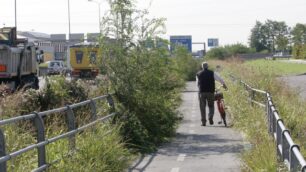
x=18 y=60
x=83 y=60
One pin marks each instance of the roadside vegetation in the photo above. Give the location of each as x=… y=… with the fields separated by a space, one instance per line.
x=263 y=74
x=95 y=151
x=228 y=51
x=146 y=81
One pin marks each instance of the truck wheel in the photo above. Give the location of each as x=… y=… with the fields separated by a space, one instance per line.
x=30 y=82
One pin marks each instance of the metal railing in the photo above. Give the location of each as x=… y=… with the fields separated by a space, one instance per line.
x=287 y=150
x=37 y=118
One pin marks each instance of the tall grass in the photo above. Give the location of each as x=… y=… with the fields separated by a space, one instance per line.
x=263 y=74
x=251 y=121
x=95 y=151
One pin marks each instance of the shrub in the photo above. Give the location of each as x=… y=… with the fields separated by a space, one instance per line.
x=145 y=81
x=217 y=53
x=186 y=65
x=228 y=51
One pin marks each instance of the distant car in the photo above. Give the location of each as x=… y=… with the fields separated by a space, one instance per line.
x=56 y=68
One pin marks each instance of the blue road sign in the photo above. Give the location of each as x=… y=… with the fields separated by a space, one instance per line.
x=181 y=41
x=213 y=42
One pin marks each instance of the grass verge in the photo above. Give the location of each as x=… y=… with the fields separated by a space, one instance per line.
x=95 y=151
x=262 y=74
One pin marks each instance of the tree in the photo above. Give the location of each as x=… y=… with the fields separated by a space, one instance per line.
x=272 y=35
x=299 y=34
x=299 y=41
x=258 y=39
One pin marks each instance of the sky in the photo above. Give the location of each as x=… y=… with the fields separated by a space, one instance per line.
x=228 y=20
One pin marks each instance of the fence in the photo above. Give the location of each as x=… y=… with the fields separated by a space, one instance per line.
x=37 y=118
x=287 y=150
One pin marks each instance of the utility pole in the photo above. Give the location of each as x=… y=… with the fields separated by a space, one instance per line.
x=16 y=14
x=69 y=20
x=99 y=5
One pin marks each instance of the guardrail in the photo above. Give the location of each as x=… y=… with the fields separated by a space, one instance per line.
x=287 y=150
x=37 y=118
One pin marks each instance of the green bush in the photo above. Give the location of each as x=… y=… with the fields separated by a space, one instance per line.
x=299 y=51
x=217 y=53
x=186 y=65
x=144 y=78
x=227 y=51
x=148 y=88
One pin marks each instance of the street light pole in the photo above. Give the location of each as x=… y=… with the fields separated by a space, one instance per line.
x=99 y=17
x=99 y=4
x=69 y=20
x=15 y=14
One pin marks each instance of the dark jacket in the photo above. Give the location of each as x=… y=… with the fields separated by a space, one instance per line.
x=206 y=81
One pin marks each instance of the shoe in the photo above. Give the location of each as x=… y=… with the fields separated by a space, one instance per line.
x=211 y=122
x=203 y=123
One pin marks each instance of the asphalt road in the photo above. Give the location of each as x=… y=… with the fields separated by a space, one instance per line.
x=297 y=82
x=195 y=148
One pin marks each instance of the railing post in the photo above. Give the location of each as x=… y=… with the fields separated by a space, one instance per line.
x=294 y=165
x=278 y=136
x=252 y=96
x=285 y=146
x=71 y=126
x=39 y=124
x=303 y=169
x=93 y=110
x=2 y=151
x=268 y=112
x=111 y=103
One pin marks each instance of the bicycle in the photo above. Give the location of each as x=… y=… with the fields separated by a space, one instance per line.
x=220 y=105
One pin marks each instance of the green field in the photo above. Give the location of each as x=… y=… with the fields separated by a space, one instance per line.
x=277 y=67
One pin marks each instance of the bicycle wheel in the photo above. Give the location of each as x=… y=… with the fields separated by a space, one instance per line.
x=221 y=108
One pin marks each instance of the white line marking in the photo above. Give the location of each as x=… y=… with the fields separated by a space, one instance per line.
x=175 y=169
x=181 y=157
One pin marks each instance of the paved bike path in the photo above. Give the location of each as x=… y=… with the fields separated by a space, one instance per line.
x=195 y=148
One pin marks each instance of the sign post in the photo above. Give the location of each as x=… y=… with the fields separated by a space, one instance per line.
x=184 y=40
x=213 y=42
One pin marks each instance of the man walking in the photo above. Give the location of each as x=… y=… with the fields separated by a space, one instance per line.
x=206 y=83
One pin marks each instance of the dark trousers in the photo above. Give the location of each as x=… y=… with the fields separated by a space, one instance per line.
x=209 y=99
